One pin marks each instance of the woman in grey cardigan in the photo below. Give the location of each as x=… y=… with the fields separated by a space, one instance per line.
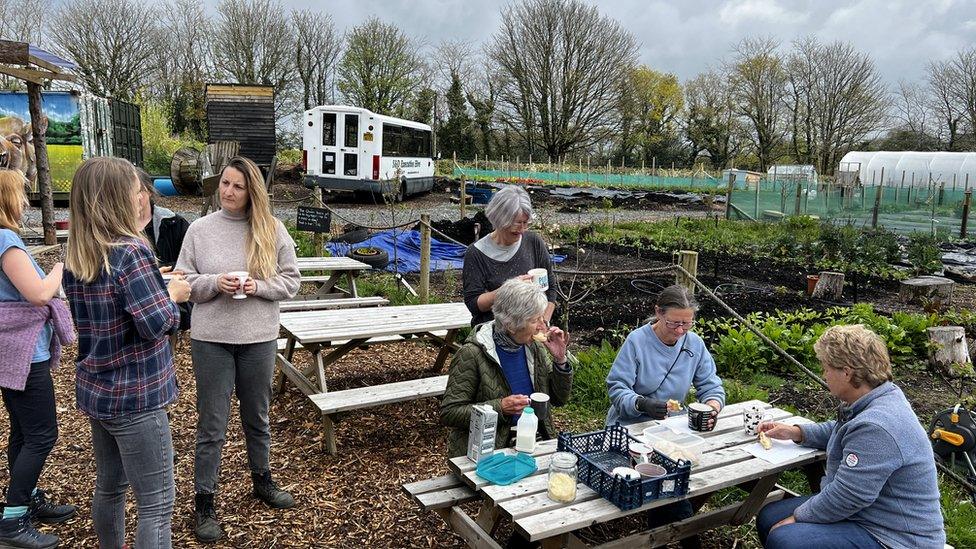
x=509 y=251
x=240 y=262
x=881 y=488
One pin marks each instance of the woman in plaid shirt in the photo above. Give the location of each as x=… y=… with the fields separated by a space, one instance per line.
x=125 y=376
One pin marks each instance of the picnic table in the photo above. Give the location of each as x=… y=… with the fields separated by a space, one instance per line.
x=725 y=462
x=331 y=334
x=328 y=295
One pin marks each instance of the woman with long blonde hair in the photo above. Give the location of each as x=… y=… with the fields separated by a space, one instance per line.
x=124 y=371
x=240 y=262
x=33 y=326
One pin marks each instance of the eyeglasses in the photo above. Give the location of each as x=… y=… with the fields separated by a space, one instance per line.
x=676 y=325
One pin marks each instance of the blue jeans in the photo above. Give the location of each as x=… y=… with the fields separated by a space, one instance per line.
x=33 y=431
x=134 y=449
x=836 y=535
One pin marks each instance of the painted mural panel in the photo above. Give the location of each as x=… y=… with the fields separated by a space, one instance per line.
x=63 y=136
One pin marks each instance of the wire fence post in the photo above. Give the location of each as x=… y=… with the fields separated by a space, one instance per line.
x=424 y=258
x=728 y=196
x=965 y=213
x=464 y=197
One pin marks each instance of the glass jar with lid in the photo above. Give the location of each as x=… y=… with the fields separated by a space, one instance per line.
x=562 y=477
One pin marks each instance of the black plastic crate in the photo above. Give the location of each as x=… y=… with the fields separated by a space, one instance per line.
x=601 y=451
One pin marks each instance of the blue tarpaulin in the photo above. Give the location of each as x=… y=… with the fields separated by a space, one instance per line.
x=443 y=255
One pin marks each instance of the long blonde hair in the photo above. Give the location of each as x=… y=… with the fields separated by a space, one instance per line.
x=101 y=211
x=13 y=199
x=262 y=238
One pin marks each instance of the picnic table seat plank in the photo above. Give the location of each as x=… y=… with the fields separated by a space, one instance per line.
x=331 y=303
x=439 y=492
x=378 y=395
x=283 y=342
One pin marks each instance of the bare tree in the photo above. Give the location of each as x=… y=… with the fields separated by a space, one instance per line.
x=184 y=51
x=711 y=123
x=380 y=69
x=253 y=42
x=317 y=47
x=942 y=78
x=111 y=41
x=964 y=84
x=759 y=87
x=562 y=64
x=911 y=109
x=23 y=21
x=454 y=57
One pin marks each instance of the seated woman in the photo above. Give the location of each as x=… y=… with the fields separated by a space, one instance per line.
x=660 y=361
x=501 y=365
x=880 y=489
x=510 y=250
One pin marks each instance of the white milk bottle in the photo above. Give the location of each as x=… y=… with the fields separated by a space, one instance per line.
x=528 y=424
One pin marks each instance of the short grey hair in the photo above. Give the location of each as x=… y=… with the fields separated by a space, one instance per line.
x=516 y=302
x=506 y=204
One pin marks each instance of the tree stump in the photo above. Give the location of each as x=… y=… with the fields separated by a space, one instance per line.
x=830 y=286
x=949 y=347
x=926 y=290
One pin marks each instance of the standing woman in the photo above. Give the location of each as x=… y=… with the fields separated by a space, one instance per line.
x=234 y=341
x=33 y=326
x=125 y=375
x=509 y=251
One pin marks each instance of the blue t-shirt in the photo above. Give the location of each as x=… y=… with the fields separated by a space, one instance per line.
x=516 y=369
x=10 y=239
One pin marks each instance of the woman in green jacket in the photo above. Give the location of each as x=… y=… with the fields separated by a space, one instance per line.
x=502 y=362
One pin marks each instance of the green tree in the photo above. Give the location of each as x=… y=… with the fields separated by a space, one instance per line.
x=650 y=104
x=455 y=135
x=711 y=125
x=380 y=69
x=422 y=109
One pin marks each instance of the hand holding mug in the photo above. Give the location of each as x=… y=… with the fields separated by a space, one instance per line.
x=250 y=286
x=514 y=404
x=227 y=284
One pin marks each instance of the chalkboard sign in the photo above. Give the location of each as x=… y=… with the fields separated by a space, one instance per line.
x=316 y=220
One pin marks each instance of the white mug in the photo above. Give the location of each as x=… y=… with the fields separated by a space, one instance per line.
x=540 y=277
x=241 y=279
x=752 y=417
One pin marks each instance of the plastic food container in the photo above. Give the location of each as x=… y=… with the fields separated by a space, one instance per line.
x=675 y=445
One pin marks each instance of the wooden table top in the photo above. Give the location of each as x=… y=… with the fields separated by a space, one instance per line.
x=331 y=264
x=724 y=463
x=346 y=324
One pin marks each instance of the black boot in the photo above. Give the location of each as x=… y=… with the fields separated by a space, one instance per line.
x=44 y=511
x=267 y=490
x=207 y=528
x=18 y=532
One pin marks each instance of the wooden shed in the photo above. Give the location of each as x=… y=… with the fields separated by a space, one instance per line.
x=243 y=113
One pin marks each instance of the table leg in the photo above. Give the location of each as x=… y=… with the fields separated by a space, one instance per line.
x=555 y=542
x=351 y=278
x=445 y=350
x=488 y=518
x=755 y=501
x=279 y=378
x=328 y=433
x=814 y=473
x=320 y=365
x=328 y=285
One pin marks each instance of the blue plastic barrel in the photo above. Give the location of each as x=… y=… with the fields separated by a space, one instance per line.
x=165 y=186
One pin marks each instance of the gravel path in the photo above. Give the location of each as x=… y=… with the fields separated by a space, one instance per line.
x=438 y=205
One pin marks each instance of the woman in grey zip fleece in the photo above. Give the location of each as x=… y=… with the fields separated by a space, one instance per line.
x=880 y=489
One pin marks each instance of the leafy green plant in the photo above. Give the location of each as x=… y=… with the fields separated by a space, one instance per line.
x=924 y=253
x=590 y=397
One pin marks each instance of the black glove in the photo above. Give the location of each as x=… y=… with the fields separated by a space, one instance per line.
x=657 y=409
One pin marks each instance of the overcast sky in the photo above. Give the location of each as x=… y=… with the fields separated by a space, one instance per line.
x=687 y=36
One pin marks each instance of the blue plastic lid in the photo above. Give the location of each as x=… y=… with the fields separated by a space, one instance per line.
x=504 y=469
x=528 y=410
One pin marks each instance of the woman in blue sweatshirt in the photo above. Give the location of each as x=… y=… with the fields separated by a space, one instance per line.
x=880 y=489
x=660 y=361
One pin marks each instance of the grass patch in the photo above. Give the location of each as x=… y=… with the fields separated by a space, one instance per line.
x=959 y=514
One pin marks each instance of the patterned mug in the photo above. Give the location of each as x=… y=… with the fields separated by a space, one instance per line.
x=752 y=417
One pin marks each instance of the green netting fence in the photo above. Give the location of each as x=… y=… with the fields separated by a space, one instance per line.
x=611 y=177
x=902 y=209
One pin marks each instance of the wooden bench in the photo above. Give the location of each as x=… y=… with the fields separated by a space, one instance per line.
x=443 y=495
x=283 y=342
x=379 y=395
x=327 y=304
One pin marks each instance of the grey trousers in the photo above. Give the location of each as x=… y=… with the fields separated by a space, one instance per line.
x=221 y=370
x=133 y=449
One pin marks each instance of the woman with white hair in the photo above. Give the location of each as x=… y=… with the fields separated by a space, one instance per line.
x=509 y=251
x=502 y=362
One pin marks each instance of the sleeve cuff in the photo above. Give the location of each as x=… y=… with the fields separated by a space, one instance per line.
x=563 y=367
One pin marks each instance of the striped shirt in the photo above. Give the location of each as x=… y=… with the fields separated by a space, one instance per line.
x=124 y=360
